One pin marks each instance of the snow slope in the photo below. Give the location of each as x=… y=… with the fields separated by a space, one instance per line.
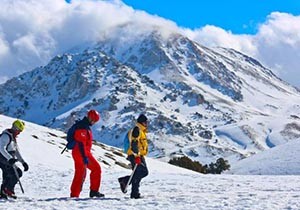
x=280 y=160
x=47 y=182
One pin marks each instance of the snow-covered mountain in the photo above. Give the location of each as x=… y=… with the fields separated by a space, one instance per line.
x=204 y=103
x=48 y=180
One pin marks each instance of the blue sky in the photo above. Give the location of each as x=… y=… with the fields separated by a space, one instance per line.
x=237 y=16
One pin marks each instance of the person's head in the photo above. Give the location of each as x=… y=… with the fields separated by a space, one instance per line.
x=142 y=119
x=93 y=116
x=18 y=126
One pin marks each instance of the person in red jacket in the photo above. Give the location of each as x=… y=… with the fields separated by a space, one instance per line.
x=83 y=157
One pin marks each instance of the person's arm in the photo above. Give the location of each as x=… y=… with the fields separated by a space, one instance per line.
x=4 y=142
x=134 y=145
x=20 y=158
x=18 y=154
x=81 y=136
x=134 y=141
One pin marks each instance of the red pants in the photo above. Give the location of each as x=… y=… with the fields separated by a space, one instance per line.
x=80 y=173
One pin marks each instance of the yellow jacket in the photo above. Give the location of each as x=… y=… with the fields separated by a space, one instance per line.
x=139 y=145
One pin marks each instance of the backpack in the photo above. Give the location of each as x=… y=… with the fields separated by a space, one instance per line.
x=9 y=135
x=126 y=141
x=70 y=138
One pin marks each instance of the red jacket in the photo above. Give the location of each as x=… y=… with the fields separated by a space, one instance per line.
x=84 y=137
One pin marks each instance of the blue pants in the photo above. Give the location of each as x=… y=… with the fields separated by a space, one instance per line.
x=140 y=172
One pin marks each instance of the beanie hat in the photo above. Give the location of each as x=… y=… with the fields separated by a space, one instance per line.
x=142 y=118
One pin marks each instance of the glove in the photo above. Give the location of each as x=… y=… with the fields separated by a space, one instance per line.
x=12 y=161
x=86 y=160
x=25 y=165
x=137 y=160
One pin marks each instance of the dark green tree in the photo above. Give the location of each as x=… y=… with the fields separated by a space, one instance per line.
x=213 y=168
x=187 y=163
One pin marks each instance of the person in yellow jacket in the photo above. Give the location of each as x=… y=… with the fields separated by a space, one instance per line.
x=136 y=155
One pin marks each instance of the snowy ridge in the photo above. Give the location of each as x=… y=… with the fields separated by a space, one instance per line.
x=203 y=103
x=280 y=160
x=47 y=182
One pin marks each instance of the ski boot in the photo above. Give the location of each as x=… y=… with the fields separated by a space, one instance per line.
x=3 y=196
x=96 y=194
x=136 y=196
x=122 y=183
x=6 y=193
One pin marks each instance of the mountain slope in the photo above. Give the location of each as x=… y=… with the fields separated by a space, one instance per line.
x=204 y=103
x=47 y=182
x=281 y=160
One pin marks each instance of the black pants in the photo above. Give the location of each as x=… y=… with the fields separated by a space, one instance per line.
x=140 y=172
x=9 y=178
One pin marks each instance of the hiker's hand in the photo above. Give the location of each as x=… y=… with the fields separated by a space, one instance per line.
x=12 y=161
x=137 y=160
x=26 y=167
x=86 y=160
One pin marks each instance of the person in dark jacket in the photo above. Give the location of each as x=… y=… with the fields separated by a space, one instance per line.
x=9 y=155
x=83 y=158
x=136 y=155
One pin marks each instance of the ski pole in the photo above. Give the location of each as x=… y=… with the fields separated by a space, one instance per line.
x=125 y=190
x=63 y=150
x=18 y=178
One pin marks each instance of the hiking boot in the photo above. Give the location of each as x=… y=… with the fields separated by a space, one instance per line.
x=122 y=184
x=136 y=196
x=8 y=193
x=3 y=196
x=96 y=194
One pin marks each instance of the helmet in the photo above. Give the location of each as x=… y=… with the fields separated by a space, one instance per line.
x=18 y=125
x=93 y=115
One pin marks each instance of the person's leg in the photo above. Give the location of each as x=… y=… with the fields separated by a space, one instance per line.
x=14 y=179
x=4 y=181
x=123 y=182
x=140 y=172
x=95 y=176
x=79 y=176
x=9 y=181
x=143 y=170
x=3 y=168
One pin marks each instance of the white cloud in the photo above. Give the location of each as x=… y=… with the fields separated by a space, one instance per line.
x=213 y=36
x=276 y=45
x=4 y=49
x=33 y=31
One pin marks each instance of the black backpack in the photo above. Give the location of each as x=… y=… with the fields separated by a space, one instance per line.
x=70 y=138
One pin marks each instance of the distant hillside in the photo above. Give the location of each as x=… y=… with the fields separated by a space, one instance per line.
x=203 y=103
x=281 y=160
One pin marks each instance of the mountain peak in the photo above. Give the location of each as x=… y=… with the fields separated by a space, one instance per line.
x=203 y=103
